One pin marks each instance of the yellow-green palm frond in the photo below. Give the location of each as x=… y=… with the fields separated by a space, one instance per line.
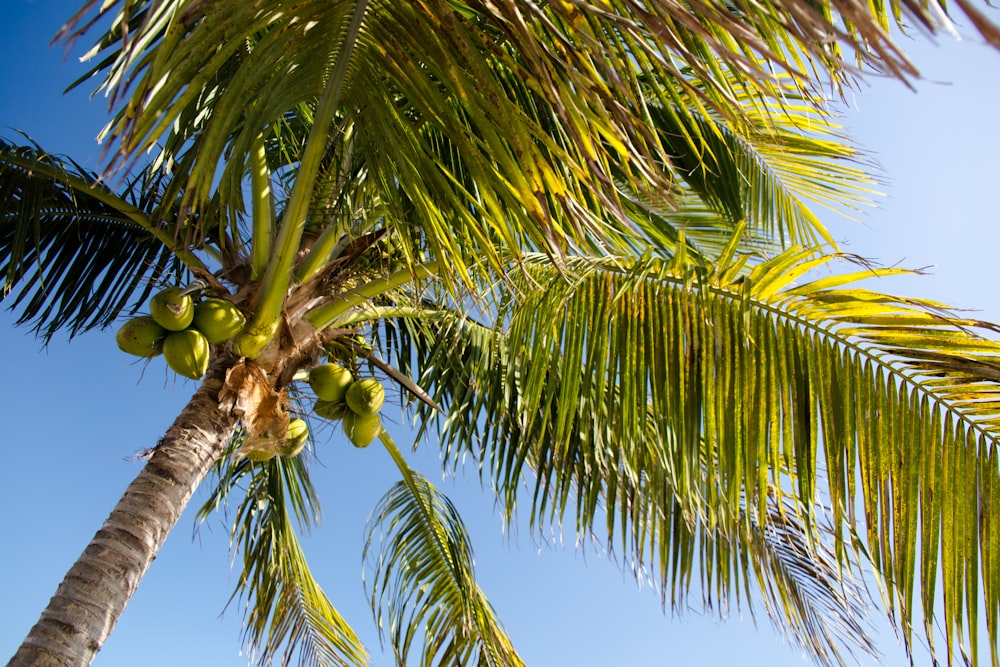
x=790 y=569
x=645 y=398
x=489 y=125
x=699 y=230
x=288 y=619
x=419 y=570
x=562 y=45
x=769 y=168
x=410 y=85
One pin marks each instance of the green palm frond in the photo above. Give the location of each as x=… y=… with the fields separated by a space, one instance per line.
x=202 y=92
x=649 y=397
x=487 y=125
x=73 y=254
x=422 y=582
x=567 y=42
x=794 y=571
x=289 y=618
x=769 y=168
x=810 y=596
x=699 y=230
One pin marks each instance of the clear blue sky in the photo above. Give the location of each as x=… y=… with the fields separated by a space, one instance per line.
x=73 y=414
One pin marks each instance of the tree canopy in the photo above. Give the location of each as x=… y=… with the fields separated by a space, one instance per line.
x=578 y=238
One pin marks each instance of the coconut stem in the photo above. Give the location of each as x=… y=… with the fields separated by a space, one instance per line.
x=193 y=287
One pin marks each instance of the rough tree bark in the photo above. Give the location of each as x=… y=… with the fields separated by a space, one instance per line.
x=90 y=599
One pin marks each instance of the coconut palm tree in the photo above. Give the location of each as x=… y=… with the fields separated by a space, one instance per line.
x=576 y=238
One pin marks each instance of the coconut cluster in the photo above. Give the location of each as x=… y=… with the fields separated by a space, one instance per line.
x=181 y=329
x=356 y=403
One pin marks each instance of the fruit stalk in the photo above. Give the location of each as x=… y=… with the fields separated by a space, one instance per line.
x=329 y=314
x=263 y=209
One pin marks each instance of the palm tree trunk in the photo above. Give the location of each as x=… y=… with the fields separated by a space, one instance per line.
x=92 y=596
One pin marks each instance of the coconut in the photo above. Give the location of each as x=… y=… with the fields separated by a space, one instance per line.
x=260 y=455
x=171 y=309
x=297 y=430
x=362 y=429
x=332 y=410
x=295 y=438
x=141 y=336
x=218 y=320
x=330 y=381
x=250 y=343
x=187 y=353
x=365 y=397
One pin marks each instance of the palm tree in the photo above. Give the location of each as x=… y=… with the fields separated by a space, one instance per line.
x=576 y=237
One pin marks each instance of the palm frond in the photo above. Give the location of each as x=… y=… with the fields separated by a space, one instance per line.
x=710 y=39
x=289 y=618
x=575 y=93
x=72 y=253
x=419 y=569
x=653 y=398
x=699 y=230
x=794 y=570
x=815 y=600
x=767 y=170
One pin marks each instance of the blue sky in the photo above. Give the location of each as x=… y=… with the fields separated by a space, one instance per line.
x=74 y=414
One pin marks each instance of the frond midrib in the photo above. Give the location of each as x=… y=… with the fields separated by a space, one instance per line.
x=870 y=352
x=826 y=329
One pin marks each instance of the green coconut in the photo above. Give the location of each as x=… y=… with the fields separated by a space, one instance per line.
x=330 y=381
x=260 y=455
x=171 y=309
x=361 y=430
x=295 y=438
x=141 y=336
x=187 y=353
x=365 y=397
x=332 y=410
x=218 y=320
x=251 y=342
